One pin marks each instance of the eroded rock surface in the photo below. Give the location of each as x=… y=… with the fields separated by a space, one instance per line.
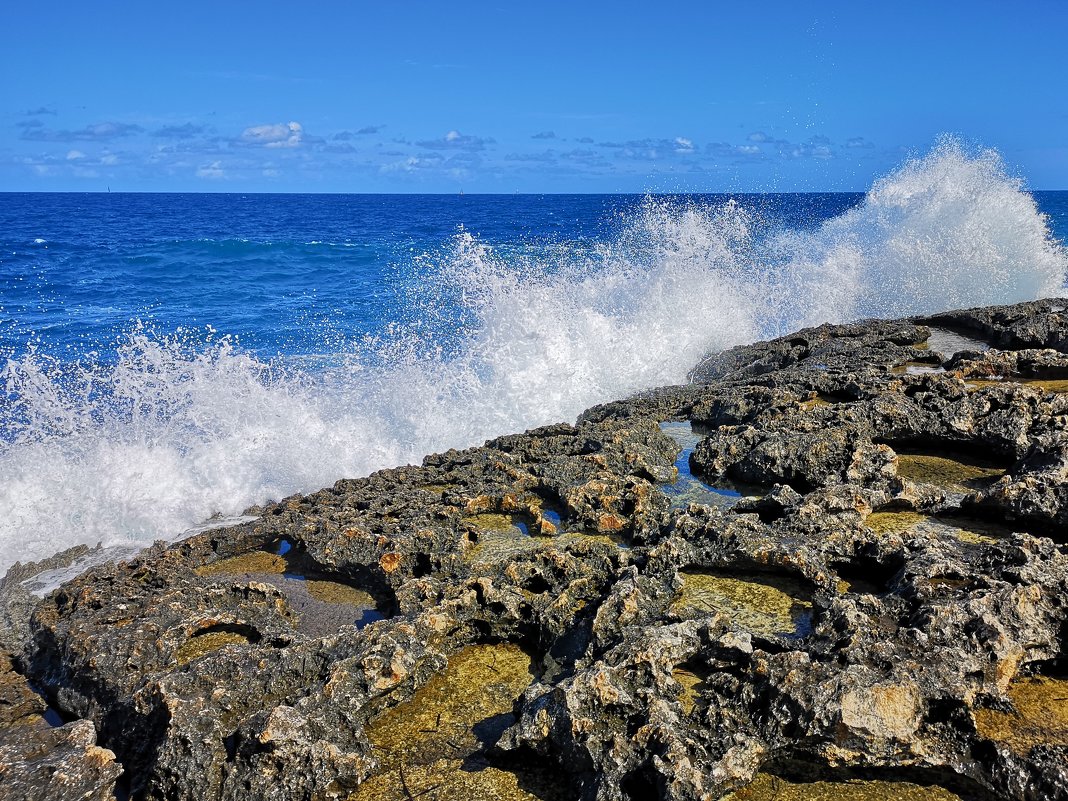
x=877 y=611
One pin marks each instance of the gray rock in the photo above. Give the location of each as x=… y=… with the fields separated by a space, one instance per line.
x=887 y=602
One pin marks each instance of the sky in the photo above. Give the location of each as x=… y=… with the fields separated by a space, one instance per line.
x=622 y=96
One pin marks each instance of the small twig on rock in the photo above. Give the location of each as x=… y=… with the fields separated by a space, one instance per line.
x=437 y=725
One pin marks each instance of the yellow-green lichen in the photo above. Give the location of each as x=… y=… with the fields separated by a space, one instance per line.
x=1040 y=715
x=433 y=744
x=770 y=605
x=587 y=538
x=479 y=682
x=200 y=644
x=766 y=787
x=453 y=780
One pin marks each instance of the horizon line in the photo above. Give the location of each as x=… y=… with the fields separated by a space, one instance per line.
x=448 y=194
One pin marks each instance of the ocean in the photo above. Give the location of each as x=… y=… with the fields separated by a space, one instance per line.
x=168 y=359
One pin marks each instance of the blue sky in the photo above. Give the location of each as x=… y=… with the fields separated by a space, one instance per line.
x=531 y=97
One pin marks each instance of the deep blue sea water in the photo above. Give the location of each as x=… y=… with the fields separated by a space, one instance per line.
x=287 y=274
x=170 y=357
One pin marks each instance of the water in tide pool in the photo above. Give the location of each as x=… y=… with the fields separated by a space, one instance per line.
x=170 y=357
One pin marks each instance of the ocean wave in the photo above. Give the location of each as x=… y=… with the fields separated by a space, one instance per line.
x=167 y=430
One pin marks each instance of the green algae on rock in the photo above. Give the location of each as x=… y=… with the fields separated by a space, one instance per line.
x=436 y=489
x=497 y=537
x=499 y=523
x=971 y=530
x=1039 y=715
x=1053 y=386
x=200 y=644
x=645 y=688
x=766 y=787
x=943 y=471
x=252 y=562
x=761 y=603
x=335 y=592
x=966 y=529
x=893 y=522
x=322 y=603
x=691 y=685
x=435 y=742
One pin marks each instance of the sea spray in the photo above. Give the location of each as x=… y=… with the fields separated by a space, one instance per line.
x=166 y=429
x=949 y=230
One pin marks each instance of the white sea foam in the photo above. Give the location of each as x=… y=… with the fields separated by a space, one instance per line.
x=946 y=231
x=169 y=430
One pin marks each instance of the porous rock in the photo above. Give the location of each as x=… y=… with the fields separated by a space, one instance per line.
x=896 y=571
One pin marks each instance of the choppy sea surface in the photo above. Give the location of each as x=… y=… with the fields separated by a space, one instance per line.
x=166 y=358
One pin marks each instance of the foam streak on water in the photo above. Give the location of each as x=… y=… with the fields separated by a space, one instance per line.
x=154 y=437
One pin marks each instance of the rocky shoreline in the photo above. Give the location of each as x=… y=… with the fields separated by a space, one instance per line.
x=833 y=566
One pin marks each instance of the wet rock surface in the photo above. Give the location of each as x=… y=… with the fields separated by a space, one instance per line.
x=877 y=611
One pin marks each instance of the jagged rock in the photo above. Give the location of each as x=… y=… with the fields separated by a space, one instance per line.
x=48 y=764
x=1039 y=324
x=875 y=608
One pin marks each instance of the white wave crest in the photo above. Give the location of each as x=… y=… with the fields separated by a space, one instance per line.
x=949 y=230
x=165 y=431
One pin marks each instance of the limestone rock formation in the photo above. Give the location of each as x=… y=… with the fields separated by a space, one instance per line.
x=833 y=565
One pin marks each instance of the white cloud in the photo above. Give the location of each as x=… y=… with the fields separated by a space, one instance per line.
x=410 y=164
x=213 y=170
x=278 y=135
x=74 y=155
x=454 y=140
x=109 y=159
x=422 y=164
x=683 y=145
